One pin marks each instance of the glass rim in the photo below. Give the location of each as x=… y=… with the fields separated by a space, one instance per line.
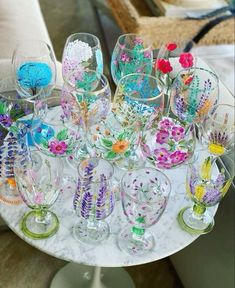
x=128 y=49
x=97 y=45
x=215 y=108
x=143 y=169
x=94 y=92
x=97 y=158
x=161 y=93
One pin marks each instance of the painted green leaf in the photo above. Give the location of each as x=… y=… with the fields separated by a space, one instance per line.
x=13 y=129
x=127 y=153
x=62 y=135
x=110 y=155
x=44 y=143
x=122 y=136
x=107 y=143
x=3 y=108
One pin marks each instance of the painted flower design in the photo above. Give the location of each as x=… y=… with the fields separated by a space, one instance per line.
x=38 y=198
x=125 y=57
x=171 y=46
x=5 y=120
x=178 y=157
x=138 y=41
x=162 y=155
x=186 y=60
x=147 y=54
x=166 y=123
x=120 y=146
x=163 y=66
x=58 y=147
x=177 y=133
x=162 y=136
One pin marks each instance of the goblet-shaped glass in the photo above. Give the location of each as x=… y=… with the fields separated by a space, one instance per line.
x=81 y=51
x=132 y=54
x=206 y=184
x=166 y=142
x=34 y=68
x=145 y=193
x=52 y=131
x=194 y=96
x=39 y=187
x=14 y=144
x=218 y=130
x=94 y=200
x=137 y=98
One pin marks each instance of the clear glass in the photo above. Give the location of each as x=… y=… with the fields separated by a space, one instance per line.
x=81 y=51
x=145 y=194
x=116 y=138
x=207 y=183
x=94 y=200
x=12 y=144
x=218 y=130
x=132 y=54
x=34 y=69
x=166 y=142
x=39 y=187
x=194 y=95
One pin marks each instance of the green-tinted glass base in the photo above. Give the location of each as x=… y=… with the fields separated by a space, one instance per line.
x=194 y=225
x=35 y=229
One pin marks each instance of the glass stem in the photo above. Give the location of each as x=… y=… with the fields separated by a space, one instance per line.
x=40 y=215
x=137 y=233
x=96 y=280
x=198 y=211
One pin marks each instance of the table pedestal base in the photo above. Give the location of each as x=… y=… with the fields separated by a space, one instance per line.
x=75 y=275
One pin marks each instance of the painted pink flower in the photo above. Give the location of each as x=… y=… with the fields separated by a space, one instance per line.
x=58 y=147
x=166 y=123
x=125 y=57
x=147 y=54
x=178 y=157
x=138 y=41
x=115 y=62
x=162 y=136
x=163 y=65
x=163 y=165
x=177 y=132
x=171 y=46
x=162 y=154
x=186 y=60
x=38 y=198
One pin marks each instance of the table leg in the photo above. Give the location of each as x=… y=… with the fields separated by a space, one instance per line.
x=75 y=275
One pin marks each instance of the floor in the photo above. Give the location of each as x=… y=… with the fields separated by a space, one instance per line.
x=22 y=266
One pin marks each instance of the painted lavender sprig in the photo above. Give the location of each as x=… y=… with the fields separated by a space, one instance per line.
x=219 y=137
x=101 y=199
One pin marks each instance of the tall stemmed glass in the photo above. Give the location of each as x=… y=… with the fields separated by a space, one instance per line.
x=145 y=193
x=34 y=68
x=81 y=51
x=132 y=54
x=116 y=139
x=39 y=188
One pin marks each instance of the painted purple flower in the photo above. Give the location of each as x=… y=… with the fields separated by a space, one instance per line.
x=166 y=123
x=138 y=41
x=177 y=132
x=162 y=155
x=5 y=120
x=212 y=196
x=162 y=136
x=125 y=57
x=38 y=198
x=58 y=147
x=147 y=54
x=178 y=157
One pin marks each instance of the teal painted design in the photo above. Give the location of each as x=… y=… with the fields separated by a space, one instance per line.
x=99 y=60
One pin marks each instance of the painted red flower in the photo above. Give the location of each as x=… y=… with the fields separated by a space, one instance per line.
x=171 y=46
x=163 y=65
x=186 y=60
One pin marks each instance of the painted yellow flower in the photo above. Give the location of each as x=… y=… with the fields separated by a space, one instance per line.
x=199 y=192
x=120 y=146
x=216 y=149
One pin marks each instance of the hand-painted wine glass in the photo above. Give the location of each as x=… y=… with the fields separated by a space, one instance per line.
x=132 y=54
x=145 y=193
x=12 y=145
x=194 y=96
x=39 y=188
x=81 y=51
x=218 y=130
x=137 y=97
x=34 y=68
x=206 y=184
x=93 y=200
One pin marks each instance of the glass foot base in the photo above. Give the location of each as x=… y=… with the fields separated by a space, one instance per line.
x=134 y=244
x=195 y=225
x=35 y=229
x=76 y=275
x=89 y=233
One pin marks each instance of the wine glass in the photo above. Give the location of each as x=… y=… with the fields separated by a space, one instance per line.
x=14 y=144
x=81 y=51
x=207 y=183
x=145 y=194
x=93 y=200
x=39 y=187
x=218 y=130
x=34 y=68
x=132 y=54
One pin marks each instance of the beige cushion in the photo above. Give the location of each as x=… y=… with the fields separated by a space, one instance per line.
x=20 y=20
